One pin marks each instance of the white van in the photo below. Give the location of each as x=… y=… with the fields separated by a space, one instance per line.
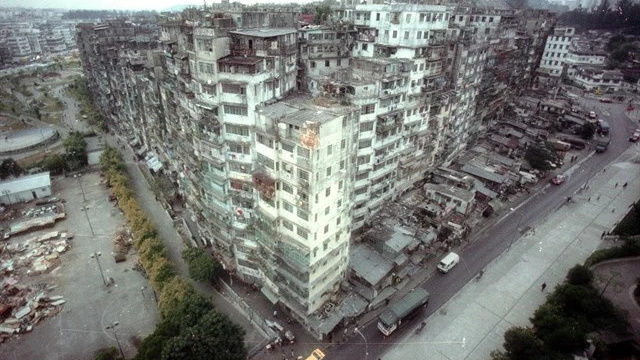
x=448 y=262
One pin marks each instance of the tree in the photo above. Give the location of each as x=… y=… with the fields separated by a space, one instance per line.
x=214 y=336
x=55 y=163
x=109 y=353
x=75 y=148
x=520 y=343
x=540 y=156
x=202 y=267
x=579 y=275
x=587 y=130
x=9 y=167
x=322 y=14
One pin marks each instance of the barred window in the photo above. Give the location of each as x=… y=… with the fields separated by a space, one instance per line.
x=302 y=174
x=364 y=144
x=233 y=89
x=368 y=109
x=303 y=215
x=237 y=130
x=239 y=148
x=367 y=126
x=266 y=161
x=208 y=89
x=303 y=233
x=264 y=140
x=304 y=152
x=287 y=225
x=288 y=188
x=206 y=67
x=235 y=110
x=287 y=206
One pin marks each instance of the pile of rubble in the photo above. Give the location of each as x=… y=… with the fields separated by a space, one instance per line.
x=121 y=245
x=36 y=255
x=22 y=307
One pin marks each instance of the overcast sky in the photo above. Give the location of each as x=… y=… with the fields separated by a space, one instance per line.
x=113 y=4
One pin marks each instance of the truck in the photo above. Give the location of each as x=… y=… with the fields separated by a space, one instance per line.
x=560 y=145
x=602 y=144
x=402 y=310
x=603 y=128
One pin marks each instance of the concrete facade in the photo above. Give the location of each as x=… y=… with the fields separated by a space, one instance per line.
x=556 y=50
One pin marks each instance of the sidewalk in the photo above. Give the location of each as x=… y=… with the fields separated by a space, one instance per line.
x=473 y=323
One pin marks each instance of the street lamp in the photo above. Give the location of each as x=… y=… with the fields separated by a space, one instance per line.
x=84 y=207
x=366 y=345
x=113 y=328
x=96 y=255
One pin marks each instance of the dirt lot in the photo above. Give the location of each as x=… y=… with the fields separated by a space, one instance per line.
x=78 y=330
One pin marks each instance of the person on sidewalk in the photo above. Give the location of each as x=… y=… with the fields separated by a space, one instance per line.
x=544 y=286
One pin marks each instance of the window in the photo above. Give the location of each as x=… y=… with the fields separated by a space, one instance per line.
x=266 y=161
x=366 y=126
x=286 y=187
x=363 y=144
x=408 y=18
x=303 y=215
x=339 y=203
x=327 y=63
x=264 y=140
x=337 y=221
x=365 y=47
x=287 y=225
x=491 y=19
x=378 y=17
x=302 y=174
x=236 y=110
x=329 y=150
x=341 y=164
x=326 y=229
x=287 y=147
x=204 y=45
x=363 y=159
x=340 y=184
x=239 y=148
x=362 y=190
x=287 y=206
x=327 y=209
x=233 y=89
x=208 y=89
x=329 y=171
x=205 y=67
x=406 y=35
x=419 y=35
x=236 y=130
x=304 y=152
x=338 y=62
x=313 y=64
x=327 y=192
x=395 y=34
x=303 y=233
x=368 y=109
x=343 y=144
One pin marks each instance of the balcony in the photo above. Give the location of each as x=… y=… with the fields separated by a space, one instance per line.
x=264 y=184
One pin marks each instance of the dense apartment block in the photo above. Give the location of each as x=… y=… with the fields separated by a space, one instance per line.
x=286 y=141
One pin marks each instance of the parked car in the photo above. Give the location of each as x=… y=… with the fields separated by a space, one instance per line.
x=605 y=100
x=592 y=114
x=558 y=179
x=635 y=137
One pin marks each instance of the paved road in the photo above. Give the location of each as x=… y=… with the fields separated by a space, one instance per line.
x=488 y=245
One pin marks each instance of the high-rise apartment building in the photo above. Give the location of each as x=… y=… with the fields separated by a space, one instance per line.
x=283 y=142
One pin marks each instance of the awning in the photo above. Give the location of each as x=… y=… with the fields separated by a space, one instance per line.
x=269 y=294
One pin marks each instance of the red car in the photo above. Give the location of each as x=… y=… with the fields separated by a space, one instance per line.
x=558 y=179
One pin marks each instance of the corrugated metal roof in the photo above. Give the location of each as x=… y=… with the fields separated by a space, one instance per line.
x=25 y=183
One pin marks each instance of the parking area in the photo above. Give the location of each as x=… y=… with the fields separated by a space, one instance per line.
x=76 y=328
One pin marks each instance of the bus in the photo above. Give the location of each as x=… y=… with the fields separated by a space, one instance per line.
x=403 y=310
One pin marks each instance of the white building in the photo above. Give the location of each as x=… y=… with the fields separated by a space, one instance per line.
x=579 y=57
x=25 y=188
x=555 y=51
x=596 y=78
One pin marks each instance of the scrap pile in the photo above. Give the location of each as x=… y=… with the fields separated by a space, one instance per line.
x=36 y=255
x=22 y=307
x=121 y=245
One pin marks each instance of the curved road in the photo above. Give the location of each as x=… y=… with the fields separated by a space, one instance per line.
x=486 y=246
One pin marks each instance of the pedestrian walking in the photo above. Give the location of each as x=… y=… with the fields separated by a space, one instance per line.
x=598 y=198
x=544 y=286
x=624 y=186
x=275 y=313
x=603 y=234
x=589 y=199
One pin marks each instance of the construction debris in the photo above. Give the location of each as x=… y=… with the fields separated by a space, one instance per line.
x=121 y=245
x=23 y=307
x=34 y=224
x=35 y=255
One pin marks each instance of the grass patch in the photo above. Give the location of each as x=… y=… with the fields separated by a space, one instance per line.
x=630 y=224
